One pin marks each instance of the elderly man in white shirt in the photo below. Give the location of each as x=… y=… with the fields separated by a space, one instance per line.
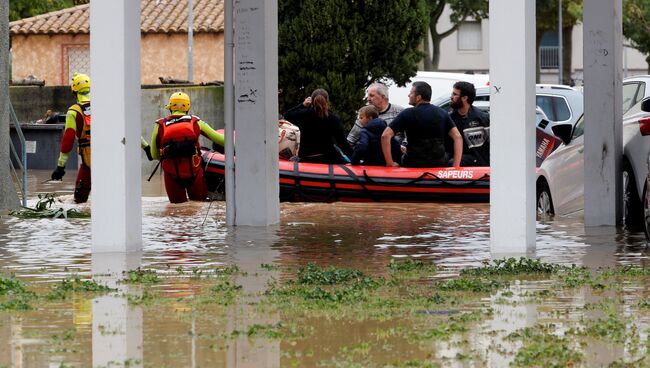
x=378 y=97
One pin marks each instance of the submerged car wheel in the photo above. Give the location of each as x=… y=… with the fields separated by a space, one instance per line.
x=544 y=200
x=646 y=213
x=632 y=210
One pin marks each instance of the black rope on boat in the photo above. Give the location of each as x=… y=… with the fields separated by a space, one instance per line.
x=298 y=188
x=424 y=175
x=358 y=181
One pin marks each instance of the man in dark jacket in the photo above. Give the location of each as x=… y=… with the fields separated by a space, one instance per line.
x=368 y=147
x=426 y=127
x=473 y=125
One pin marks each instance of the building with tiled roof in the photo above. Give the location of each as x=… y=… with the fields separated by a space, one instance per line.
x=54 y=45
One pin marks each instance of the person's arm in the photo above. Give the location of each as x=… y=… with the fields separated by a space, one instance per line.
x=386 y=137
x=360 y=149
x=353 y=136
x=69 y=136
x=211 y=134
x=458 y=145
x=146 y=148
x=155 y=152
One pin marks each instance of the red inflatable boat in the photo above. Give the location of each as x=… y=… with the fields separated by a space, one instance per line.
x=308 y=182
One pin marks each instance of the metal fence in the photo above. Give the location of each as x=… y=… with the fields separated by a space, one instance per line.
x=549 y=57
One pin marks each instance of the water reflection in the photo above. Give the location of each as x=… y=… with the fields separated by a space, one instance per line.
x=189 y=238
x=116 y=327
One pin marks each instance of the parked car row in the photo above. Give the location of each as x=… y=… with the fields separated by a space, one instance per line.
x=560 y=178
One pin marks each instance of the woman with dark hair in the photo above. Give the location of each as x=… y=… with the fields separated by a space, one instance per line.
x=322 y=138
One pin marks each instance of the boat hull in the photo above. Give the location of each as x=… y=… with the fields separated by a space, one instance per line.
x=309 y=182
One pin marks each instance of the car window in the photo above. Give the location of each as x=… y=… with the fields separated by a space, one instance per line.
x=641 y=94
x=636 y=108
x=579 y=128
x=556 y=108
x=482 y=98
x=629 y=93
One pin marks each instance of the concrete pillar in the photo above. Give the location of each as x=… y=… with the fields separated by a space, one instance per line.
x=115 y=77
x=512 y=136
x=602 y=55
x=8 y=196
x=256 y=113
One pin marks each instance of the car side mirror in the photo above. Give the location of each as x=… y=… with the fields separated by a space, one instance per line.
x=645 y=105
x=563 y=131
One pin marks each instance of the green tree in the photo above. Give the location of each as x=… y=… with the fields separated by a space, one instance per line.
x=547 y=21
x=19 y=9
x=461 y=10
x=345 y=45
x=636 y=25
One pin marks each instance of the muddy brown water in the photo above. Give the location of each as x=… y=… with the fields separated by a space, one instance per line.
x=106 y=331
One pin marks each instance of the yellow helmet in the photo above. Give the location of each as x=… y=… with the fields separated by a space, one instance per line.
x=80 y=82
x=179 y=101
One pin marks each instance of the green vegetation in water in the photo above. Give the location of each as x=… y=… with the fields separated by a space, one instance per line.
x=410 y=265
x=140 y=276
x=312 y=275
x=610 y=327
x=512 y=267
x=11 y=285
x=475 y=285
x=43 y=209
x=543 y=349
x=645 y=303
x=18 y=298
x=75 y=283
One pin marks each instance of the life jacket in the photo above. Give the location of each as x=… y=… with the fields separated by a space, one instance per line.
x=83 y=134
x=180 y=148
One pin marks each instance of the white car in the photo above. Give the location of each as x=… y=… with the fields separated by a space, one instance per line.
x=560 y=178
x=441 y=85
x=560 y=104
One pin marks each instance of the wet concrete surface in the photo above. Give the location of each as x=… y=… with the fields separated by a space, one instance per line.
x=193 y=236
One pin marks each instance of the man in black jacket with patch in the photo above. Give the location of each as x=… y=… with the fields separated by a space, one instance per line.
x=473 y=125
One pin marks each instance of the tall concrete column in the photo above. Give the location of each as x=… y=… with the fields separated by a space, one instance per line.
x=115 y=76
x=602 y=53
x=8 y=196
x=512 y=134
x=256 y=113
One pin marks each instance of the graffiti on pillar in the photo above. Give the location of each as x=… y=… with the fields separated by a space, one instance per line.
x=247 y=52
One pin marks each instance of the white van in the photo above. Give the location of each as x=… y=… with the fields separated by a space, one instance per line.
x=441 y=85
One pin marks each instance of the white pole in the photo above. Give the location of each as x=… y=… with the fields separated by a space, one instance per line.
x=602 y=40
x=560 y=49
x=116 y=126
x=256 y=112
x=512 y=99
x=190 y=39
x=229 y=101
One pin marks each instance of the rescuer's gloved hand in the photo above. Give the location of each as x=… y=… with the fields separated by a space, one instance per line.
x=58 y=173
x=147 y=150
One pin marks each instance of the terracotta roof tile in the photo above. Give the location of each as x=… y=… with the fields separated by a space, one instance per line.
x=157 y=16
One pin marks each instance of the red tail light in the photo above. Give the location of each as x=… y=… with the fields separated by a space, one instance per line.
x=644 y=126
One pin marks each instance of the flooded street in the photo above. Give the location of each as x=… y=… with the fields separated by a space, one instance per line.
x=221 y=297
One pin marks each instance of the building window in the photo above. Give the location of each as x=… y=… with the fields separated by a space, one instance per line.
x=78 y=60
x=470 y=37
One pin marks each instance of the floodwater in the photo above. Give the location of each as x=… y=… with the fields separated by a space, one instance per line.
x=109 y=331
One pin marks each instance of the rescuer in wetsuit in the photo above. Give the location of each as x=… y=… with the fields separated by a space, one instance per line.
x=175 y=142
x=77 y=126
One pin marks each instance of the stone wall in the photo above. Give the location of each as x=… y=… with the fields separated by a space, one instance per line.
x=30 y=104
x=162 y=55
